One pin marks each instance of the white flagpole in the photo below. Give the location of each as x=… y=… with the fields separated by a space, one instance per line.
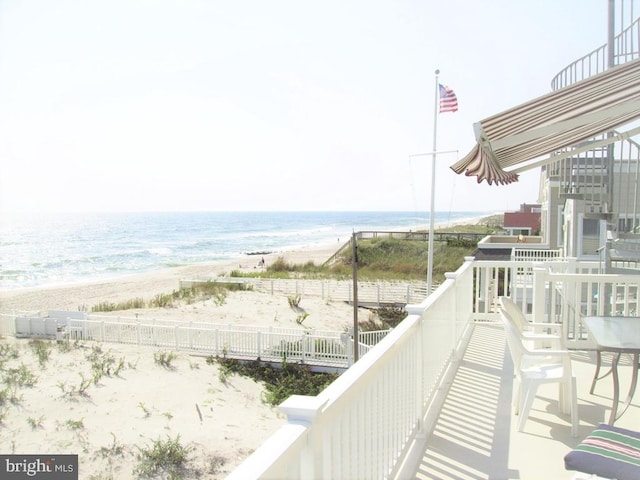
x=433 y=190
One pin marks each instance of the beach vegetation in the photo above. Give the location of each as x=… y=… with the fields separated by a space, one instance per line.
x=35 y=422
x=106 y=306
x=166 y=457
x=301 y=318
x=66 y=345
x=223 y=375
x=21 y=376
x=74 y=424
x=390 y=258
x=216 y=291
x=9 y=394
x=75 y=390
x=165 y=359
x=7 y=352
x=162 y=300
x=382 y=318
x=42 y=350
x=116 y=448
x=294 y=300
x=104 y=363
x=145 y=410
x=279 y=382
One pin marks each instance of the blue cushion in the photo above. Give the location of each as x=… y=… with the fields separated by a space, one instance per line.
x=609 y=452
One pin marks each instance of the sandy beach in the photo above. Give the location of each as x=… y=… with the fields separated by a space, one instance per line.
x=113 y=419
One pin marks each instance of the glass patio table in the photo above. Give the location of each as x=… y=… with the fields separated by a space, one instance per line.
x=617 y=335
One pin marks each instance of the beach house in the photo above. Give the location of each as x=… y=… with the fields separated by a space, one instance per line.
x=434 y=399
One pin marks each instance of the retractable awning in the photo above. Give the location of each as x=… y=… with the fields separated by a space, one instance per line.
x=553 y=122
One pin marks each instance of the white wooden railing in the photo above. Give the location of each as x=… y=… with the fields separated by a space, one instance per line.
x=370 y=422
x=568 y=297
x=374 y=420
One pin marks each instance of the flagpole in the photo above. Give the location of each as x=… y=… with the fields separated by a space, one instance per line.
x=433 y=190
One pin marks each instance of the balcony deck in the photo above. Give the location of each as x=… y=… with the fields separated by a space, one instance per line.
x=475 y=436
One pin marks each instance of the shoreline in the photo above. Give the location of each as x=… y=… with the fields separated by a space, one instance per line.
x=85 y=293
x=70 y=296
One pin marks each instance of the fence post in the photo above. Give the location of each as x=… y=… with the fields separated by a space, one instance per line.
x=138 y=333
x=175 y=337
x=259 y=343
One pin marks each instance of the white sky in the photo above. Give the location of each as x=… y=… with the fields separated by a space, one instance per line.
x=267 y=105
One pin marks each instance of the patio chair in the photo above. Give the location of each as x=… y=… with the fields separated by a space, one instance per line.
x=534 y=367
x=549 y=334
x=607 y=452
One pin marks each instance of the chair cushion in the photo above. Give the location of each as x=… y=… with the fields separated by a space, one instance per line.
x=609 y=452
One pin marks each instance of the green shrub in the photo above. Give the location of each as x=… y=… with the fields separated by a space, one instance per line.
x=280 y=383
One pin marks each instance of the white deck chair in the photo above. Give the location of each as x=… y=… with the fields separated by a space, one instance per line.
x=534 y=367
x=538 y=333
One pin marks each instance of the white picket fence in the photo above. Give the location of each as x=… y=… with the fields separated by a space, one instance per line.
x=315 y=347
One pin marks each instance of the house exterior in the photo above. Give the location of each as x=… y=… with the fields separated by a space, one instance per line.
x=524 y=222
x=582 y=138
x=592 y=197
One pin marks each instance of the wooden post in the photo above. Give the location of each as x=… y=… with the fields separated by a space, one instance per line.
x=354 y=263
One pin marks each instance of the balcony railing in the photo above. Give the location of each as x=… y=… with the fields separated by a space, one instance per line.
x=375 y=419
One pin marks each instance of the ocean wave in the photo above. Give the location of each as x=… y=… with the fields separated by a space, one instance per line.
x=70 y=248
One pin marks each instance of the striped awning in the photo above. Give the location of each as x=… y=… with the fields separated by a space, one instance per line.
x=553 y=122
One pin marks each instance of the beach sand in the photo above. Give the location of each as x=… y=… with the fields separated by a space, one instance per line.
x=221 y=422
x=121 y=414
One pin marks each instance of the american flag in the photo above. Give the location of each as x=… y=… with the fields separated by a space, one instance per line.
x=448 y=100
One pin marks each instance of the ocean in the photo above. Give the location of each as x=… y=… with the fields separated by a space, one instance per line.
x=54 y=249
